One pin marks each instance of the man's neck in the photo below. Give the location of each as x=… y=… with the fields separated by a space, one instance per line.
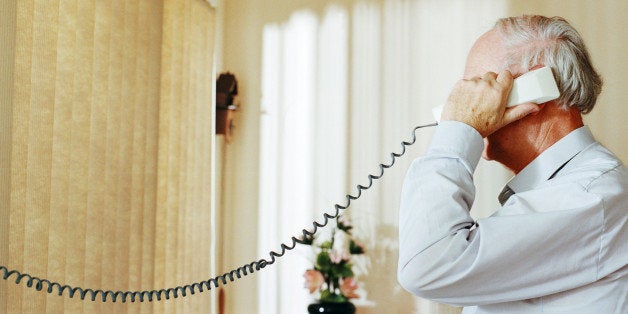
x=537 y=134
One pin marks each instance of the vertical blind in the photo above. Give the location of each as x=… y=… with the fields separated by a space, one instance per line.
x=106 y=134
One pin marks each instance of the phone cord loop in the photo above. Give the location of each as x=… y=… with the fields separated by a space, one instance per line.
x=190 y=289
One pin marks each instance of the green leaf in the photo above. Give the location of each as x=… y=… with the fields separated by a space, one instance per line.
x=354 y=248
x=344 y=226
x=326 y=245
x=342 y=270
x=323 y=262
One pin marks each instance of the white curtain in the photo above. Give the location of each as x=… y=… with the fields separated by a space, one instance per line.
x=341 y=88
x=303 y=142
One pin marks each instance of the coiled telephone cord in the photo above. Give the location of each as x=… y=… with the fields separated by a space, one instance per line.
x=232 y=275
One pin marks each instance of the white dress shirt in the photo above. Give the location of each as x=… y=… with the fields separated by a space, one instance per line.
x=559 y=244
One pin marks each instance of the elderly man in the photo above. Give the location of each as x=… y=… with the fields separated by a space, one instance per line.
x=559 y=241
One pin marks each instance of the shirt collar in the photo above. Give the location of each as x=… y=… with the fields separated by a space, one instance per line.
x=551 y=160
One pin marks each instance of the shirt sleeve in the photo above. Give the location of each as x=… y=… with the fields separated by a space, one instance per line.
x=532 y=250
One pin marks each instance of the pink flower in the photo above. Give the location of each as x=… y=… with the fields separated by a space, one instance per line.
x=348 y=287
x=313 y=280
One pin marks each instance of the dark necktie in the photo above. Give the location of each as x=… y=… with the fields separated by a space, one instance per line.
x=506 y=193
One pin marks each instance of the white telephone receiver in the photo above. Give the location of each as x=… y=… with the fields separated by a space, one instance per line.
x=537 y=86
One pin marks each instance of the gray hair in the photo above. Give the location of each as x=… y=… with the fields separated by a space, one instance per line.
x=534 y=40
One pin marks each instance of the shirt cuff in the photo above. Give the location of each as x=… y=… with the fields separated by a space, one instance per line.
x=455 y=139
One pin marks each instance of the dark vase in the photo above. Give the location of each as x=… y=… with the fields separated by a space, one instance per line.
x=331 y=308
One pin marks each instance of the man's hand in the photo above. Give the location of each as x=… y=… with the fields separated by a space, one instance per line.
x=481 y=103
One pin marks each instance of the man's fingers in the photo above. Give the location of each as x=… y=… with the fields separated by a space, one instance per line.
x=504 y=78
x=481 y=103
x=489 y=76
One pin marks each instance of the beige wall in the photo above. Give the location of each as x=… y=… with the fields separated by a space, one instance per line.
x=601 y=23
x=106 y=156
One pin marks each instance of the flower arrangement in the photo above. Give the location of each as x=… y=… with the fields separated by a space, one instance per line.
x=332 y=275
